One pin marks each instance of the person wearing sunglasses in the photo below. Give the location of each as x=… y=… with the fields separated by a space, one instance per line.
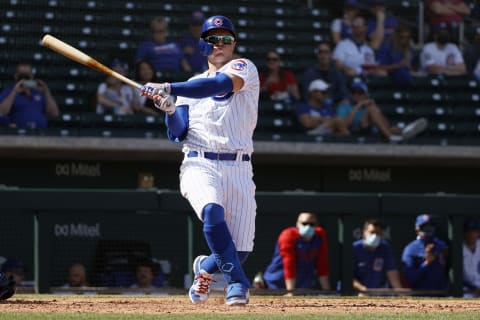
x=277 y=82
x=300 y=258
x=215 y=116
x=363 y=117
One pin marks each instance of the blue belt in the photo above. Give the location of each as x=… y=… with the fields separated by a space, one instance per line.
x=218 y=156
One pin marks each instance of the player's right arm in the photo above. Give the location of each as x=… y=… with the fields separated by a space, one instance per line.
x=286 y=244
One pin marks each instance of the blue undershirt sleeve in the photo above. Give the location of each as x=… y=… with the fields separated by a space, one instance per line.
x=203 y=87
x=177 y=124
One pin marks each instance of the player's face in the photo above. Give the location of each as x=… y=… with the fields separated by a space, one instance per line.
x=371 y=229
x=222 y=52
x=76 y=277
x=144 y=276
x=306 y=219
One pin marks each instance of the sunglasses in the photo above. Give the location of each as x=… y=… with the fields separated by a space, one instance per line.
x=213 y=39
x=323 y=51
x=272 y=59
x=357 y=92
x=307 y=223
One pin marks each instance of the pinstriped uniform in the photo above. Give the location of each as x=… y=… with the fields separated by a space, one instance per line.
x=224 y=124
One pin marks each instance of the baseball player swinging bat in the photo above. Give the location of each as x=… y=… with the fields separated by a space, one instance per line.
x=74 y=54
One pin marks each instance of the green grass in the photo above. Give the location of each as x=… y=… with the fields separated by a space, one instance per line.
x=349 y=316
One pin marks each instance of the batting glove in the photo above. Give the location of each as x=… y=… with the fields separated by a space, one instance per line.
x=165 y=103
x=152 y=89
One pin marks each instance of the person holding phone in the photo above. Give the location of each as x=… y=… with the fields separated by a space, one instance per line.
x=28 y=103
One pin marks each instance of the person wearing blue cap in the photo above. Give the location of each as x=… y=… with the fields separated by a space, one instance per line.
x=363 y=116
x=471 y=258
x=424 y=259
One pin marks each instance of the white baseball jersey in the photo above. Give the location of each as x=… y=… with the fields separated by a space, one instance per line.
x=433 y=55
x=224 y=124
x=471 y=265
x=354 y=56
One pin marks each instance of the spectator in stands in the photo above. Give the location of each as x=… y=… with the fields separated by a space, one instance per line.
x=16 y=269
x=317 y=116
x=144 y=73
x=165 y=55
x=373 y=259
x=354 y=56
x=277 y=82
x=381 y=26
x=396 y=56
x=424 y=259
x=326 y=70
x=441 y=56
x=189 y=44
x=113 y=96
x=471 y=55
x=77 y=276
x=341 y=28
x=471 y=258
x=147 y=275
x=446 y=12
x=362 y=116
x=300 y=257
x=28 y=103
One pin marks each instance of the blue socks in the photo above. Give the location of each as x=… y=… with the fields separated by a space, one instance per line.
x=219 y=240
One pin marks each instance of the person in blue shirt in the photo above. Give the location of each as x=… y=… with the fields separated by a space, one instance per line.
x=424 y=259
x=396 y=56
x=189 y=43
x=28 y=102
x=380 y=26
x=165 y=55
x=373 y=259
x=317 y=115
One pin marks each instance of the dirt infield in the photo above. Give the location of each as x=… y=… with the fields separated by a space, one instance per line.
x=258 y=305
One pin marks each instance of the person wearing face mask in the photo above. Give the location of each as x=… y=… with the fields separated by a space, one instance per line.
x=373 y=258
x=300 y=257
x=424 y=259
x=28 y=103
x=442 y=56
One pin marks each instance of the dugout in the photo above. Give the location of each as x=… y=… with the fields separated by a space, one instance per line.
x=51 y=228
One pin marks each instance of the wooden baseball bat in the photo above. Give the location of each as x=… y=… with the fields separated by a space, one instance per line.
x=74 y=54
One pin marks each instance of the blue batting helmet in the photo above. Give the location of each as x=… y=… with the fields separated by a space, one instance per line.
x=214 y=22
x=218 y=22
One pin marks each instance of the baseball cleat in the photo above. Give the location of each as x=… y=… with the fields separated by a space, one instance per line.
x=200 y=289
x=237 y=295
